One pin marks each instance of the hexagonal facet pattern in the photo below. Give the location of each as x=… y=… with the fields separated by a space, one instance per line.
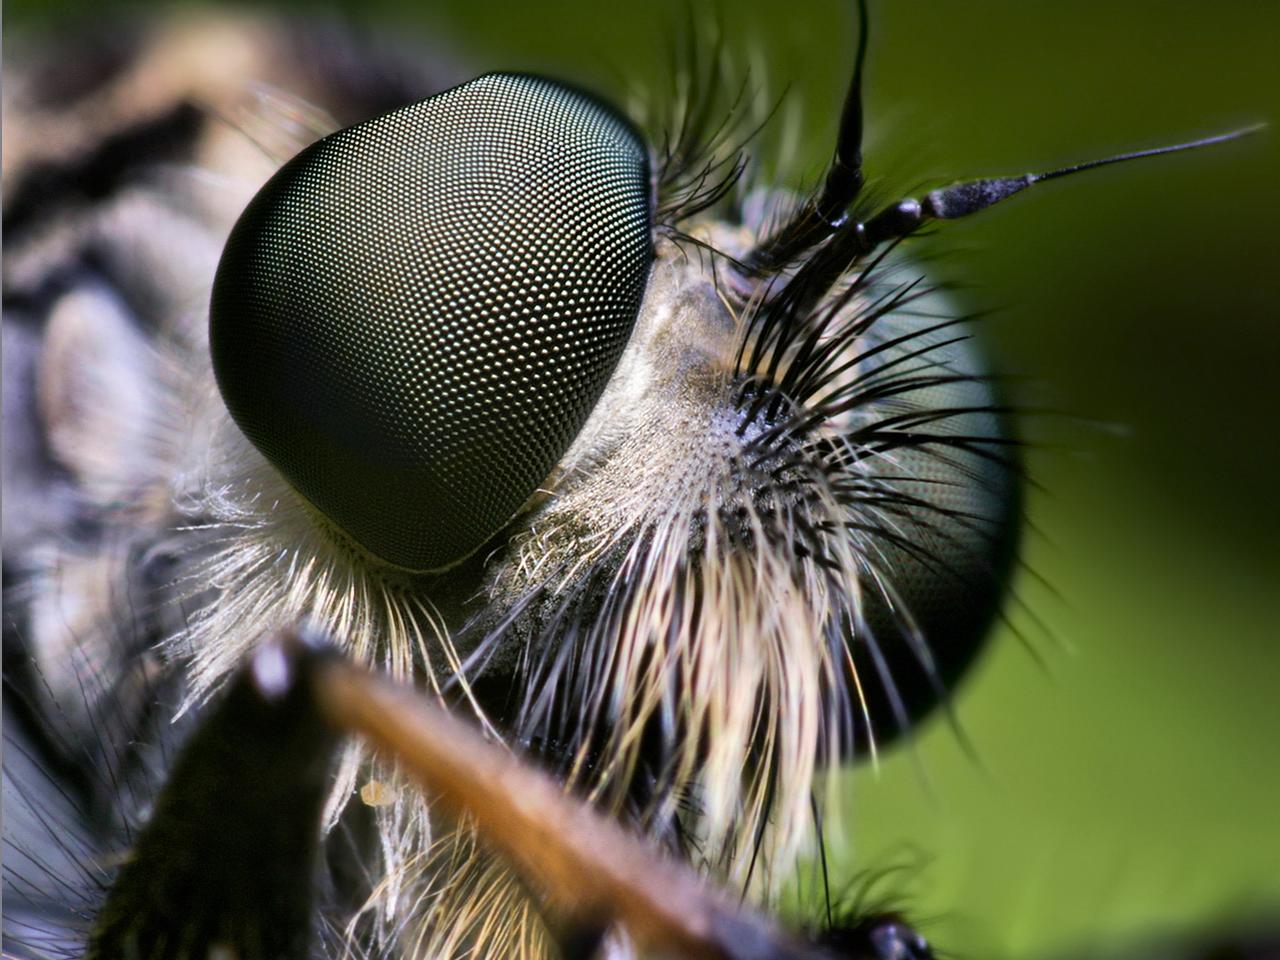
x=414 y=317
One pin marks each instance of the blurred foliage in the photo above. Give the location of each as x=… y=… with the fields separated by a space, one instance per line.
x=1128 y=785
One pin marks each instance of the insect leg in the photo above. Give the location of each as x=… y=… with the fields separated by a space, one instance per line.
x=225 y=864
x=593 y=873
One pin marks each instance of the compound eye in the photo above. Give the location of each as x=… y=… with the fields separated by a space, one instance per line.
x=950 y=520
x=415 y=316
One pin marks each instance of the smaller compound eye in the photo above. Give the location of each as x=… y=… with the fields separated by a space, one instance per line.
x=876 y=937
x=415 y=316
x=952 y=498
x=894 y=940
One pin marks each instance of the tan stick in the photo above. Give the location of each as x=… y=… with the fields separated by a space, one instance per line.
x=588 y=865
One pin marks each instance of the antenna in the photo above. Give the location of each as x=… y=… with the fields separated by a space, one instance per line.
x=825 y=213
x=962 y=199
x=900 y=219
x=849 y=241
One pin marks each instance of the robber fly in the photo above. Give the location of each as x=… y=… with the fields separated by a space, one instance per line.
x=682 y=487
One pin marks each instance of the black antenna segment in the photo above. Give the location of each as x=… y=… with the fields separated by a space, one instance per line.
x=961 y=199
x=850 y=241
x=823 y=214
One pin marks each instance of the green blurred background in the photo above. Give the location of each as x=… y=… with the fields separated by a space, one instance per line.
x=1129 y=786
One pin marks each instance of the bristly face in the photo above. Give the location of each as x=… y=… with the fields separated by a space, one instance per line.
x=687 y=484
x=688 y=488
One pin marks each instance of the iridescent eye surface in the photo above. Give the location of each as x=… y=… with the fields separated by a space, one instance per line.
x=414 y=317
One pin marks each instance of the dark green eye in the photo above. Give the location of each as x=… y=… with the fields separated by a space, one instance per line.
x=415 y=316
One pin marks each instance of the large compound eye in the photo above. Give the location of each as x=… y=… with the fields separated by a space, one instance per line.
x=414 y=317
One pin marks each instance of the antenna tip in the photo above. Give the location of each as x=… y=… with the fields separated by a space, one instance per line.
x=1251 y=129
x=1239 y=133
